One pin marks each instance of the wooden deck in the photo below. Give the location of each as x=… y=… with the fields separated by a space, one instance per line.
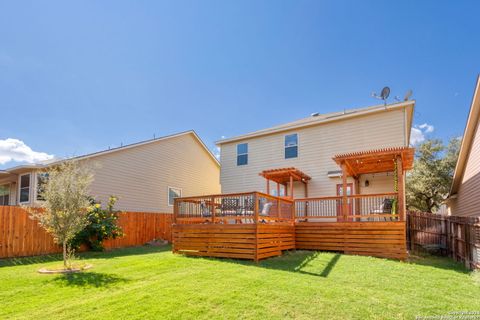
x=241 y=241
x=379 y=239
x=257 y=226
x=249 y=225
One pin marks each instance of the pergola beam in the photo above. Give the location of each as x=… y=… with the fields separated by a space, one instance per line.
x=285 y=176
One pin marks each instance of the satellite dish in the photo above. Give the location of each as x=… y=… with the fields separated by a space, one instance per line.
x=385 y=93
x=408 y=95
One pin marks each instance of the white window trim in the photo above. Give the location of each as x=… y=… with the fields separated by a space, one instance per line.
x=168 y=194
x=20 y=187
x=297 y=145
x=241 y=154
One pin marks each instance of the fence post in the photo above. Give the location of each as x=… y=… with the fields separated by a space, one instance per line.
x=467 y=246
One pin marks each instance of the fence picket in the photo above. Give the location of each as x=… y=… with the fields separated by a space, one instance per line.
x=22 y=236
x=457 y=237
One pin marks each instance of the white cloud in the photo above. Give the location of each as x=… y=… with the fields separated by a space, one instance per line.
x=217 y=153
x=418 y=133
x=427 y=127
x=16 y=150
x=416 y=136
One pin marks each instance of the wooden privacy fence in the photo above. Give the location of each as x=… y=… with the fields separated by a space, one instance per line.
x=22 y=236
x=457 y=237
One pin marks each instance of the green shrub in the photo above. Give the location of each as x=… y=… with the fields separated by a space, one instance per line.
x=102 y=225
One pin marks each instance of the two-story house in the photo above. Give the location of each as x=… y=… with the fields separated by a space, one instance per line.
x=146 y=176
x=309 y=145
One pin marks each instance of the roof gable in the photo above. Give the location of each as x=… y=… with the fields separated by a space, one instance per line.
x=118 y=149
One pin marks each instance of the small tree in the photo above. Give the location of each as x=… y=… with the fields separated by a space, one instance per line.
x=429 y=182
x=66 y=204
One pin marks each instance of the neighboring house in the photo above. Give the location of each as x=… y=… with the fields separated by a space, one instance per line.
x=145 y=176
x=464 y=199
x=310 y=144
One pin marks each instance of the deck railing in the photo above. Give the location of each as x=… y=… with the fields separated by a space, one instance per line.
x=257 y=207
x=362 y=207
x=249 y=207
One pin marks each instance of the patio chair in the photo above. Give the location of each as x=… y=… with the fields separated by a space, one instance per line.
x=385 y=208
x=205 y=211
x=266 y=210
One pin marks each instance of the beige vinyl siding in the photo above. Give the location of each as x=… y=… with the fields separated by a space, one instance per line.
x=378 y=183
x=467 y=202
x=140 y=176
x=316 y=147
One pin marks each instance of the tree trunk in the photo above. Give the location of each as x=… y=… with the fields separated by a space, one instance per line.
x=65 y=255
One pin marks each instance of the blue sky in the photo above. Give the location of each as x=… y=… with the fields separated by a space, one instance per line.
x=77 y=77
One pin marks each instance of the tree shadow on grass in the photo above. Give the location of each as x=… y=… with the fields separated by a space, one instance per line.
x=114 y=253
x=88 y=279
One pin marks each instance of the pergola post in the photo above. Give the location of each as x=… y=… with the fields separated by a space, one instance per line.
x=401 y=188
x=344 y=192
x=356 y=191
x=291 y=186
x=278 y=189
x=268 y=186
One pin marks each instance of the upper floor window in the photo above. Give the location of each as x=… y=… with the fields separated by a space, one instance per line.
x=4 y=195
x=25 y=188
x=291 y=146
x=172 y=194
x=42 y=179
x=242 y=154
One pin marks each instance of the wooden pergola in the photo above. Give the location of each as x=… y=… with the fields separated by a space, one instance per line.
x=354 y=164
x=284 y=176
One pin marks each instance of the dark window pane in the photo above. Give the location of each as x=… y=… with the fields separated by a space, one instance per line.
x=242 y=148
x=291 y=140
x=291 y=152
x=24 y=194
x=242 y=159
x=25 y=181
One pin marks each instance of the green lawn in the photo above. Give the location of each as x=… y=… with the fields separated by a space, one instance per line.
x=151 y=282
